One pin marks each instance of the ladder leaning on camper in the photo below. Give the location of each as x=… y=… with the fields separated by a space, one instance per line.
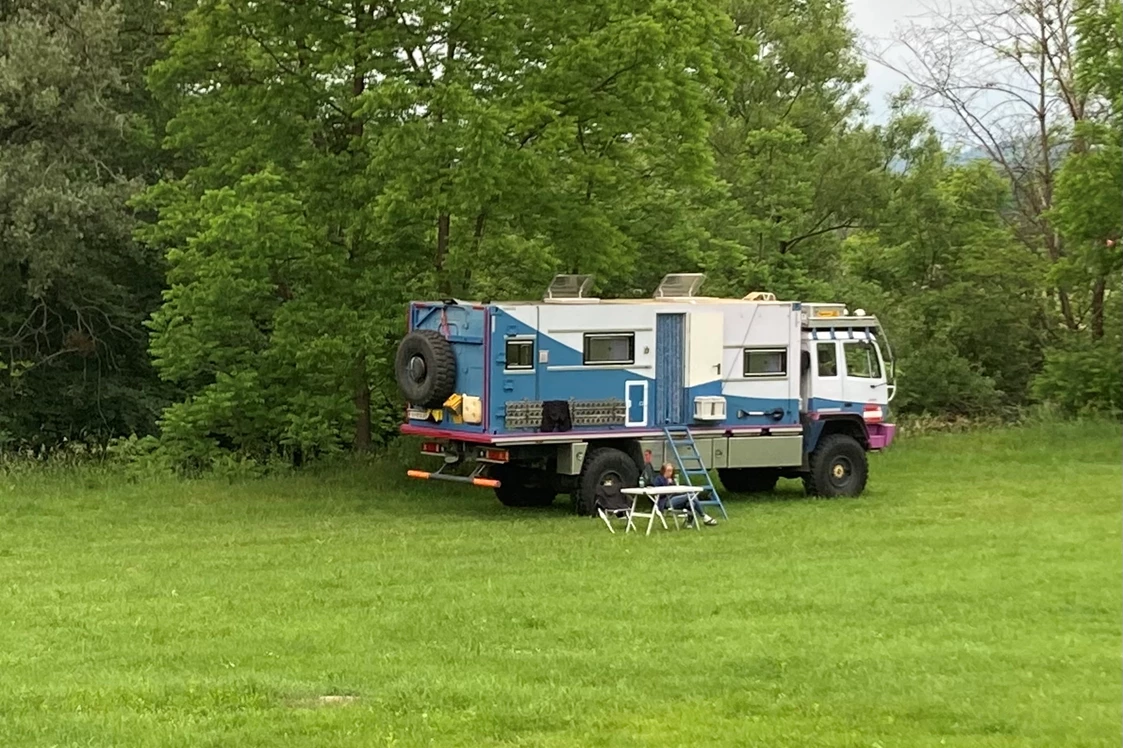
x=691 y=465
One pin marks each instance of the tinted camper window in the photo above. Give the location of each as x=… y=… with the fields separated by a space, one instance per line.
x=609 y=348
x=765 y=362
x=520 y=354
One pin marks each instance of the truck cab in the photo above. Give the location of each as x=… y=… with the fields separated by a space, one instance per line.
x=846 y=383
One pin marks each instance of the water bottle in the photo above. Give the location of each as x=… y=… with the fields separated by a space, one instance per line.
x=641 y=481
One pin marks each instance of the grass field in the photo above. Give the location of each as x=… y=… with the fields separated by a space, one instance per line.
x=971 y=598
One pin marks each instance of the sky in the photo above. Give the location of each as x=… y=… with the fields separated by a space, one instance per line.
x=878 y=18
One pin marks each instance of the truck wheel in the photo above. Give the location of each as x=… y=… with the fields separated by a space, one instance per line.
x=604 y=464
x=749 y=480
x=425 y=367
x=838 y=467
x=522 y=486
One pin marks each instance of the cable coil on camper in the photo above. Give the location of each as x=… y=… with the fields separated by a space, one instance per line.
x=425 y=367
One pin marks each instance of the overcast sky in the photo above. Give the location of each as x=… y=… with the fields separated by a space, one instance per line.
x=877 y=18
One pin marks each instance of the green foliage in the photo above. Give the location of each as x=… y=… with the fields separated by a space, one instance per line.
x=74 y=287
x=1083 y=375
x=301 y=170
x=253 y=328
x=936 y=378
x=1089 y=188
x=796 y=169
x=432 y=149
x=958 y=293
x=1099 y=64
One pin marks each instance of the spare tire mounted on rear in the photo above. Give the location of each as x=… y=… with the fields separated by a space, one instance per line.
x=425 y=368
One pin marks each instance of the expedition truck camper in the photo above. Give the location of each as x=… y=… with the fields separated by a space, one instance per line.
x=534 y=399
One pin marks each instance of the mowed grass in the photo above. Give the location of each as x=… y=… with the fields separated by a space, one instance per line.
x=971 y=598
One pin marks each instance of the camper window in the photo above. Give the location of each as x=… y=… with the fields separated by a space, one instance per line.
x=605 y=349
x=520 y=354
x=828 y=359
x=765 y=362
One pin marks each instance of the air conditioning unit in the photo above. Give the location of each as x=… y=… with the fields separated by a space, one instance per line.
x=709 y=408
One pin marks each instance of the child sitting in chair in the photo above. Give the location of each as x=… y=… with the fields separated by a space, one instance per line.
x=679 y=502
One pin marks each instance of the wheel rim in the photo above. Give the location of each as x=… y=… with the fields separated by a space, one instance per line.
x=417 y=369
x=841 y=471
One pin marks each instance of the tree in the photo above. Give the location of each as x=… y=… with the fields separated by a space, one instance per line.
x=74 y=287
x=1083 y=373
x=1089 y=189
x=1004 y=74
x=798 y=168
x=959 y=300
x=397 y=150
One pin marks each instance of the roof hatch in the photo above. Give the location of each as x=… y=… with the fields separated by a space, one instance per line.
x=680 y=286
x=570 y=288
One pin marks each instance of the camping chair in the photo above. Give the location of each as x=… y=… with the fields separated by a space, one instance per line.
x=610 y=504
x=680 y=516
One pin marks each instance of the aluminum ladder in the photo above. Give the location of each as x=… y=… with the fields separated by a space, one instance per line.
x=690 y=464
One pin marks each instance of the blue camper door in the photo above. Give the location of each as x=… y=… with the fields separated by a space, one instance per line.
x=670 y=346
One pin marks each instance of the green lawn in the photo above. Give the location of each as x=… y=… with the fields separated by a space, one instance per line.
x=971 y=598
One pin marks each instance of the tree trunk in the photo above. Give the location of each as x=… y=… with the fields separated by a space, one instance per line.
x=361 y=442
x=361 y=398
x=477 y=242
x=1098 y=290
x=358 y=74
x=444 y=220
x=1066 y=310
x=443 y=224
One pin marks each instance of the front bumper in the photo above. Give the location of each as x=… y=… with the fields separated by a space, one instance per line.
x=881 y=435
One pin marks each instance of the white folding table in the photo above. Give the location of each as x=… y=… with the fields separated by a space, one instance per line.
x=655 y=493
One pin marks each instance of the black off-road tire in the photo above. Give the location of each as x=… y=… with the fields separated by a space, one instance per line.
x=523 y=486
x=839 y=467
x=425 y=367
x=749 y=480
x=601 y=464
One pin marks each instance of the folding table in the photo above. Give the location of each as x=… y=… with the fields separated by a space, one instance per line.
x=655 y=493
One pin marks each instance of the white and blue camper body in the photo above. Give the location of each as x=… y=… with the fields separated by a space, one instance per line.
x=538 y=386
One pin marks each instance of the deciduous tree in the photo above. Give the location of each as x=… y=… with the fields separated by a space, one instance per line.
x=350 y=156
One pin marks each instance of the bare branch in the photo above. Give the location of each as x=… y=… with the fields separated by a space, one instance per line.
x=1002 y=72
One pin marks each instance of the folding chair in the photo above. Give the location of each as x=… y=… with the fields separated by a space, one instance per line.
x=624 y=514
x=680 y=516
x=611 y=503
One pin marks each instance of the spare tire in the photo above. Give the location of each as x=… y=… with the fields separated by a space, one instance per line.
x=425 y=368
